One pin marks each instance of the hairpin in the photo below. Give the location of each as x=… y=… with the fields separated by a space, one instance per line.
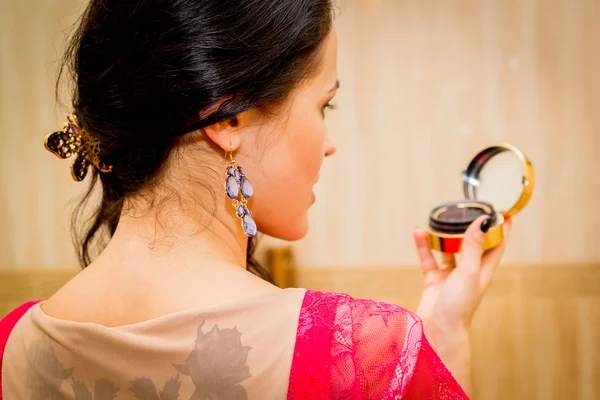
x=74 y=140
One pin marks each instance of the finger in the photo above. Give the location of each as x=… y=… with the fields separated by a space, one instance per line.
x=491 y=259
x=472 y=246
x=426 y=257
x=448 y=260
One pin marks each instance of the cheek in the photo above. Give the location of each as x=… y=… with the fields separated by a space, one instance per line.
x=305 y=150
x=292 y=159
x=290 y=167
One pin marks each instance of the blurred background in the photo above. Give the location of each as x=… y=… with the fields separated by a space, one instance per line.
x=425 y=85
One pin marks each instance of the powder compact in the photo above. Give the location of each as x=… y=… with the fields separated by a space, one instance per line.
x=498 y=183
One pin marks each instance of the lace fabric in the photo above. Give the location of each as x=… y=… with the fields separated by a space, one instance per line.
x=363 y=349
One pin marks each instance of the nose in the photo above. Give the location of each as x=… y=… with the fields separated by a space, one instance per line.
x=330 y=148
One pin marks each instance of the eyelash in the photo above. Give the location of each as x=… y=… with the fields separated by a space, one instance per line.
x=329 y=106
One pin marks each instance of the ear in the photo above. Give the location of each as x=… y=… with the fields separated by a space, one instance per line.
x=225 y=134
x=230 y=134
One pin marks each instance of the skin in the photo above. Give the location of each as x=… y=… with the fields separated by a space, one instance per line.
x=451 y=296
x=187 y=249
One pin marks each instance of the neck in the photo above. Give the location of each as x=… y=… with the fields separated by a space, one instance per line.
x=176 y=238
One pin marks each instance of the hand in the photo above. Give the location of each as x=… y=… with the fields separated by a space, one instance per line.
x=451 y=295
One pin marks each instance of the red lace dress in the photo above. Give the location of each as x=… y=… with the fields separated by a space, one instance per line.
x=362 y=349
x=294 y=344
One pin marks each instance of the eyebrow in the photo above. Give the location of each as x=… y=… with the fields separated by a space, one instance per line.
x=336 y=87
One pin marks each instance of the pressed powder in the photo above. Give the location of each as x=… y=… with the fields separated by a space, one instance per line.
x=456 y=216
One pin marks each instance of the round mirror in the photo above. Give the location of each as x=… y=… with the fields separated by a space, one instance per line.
x=502 y=176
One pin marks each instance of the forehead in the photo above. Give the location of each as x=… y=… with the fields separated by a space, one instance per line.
x=330 y=53
x=326 y=75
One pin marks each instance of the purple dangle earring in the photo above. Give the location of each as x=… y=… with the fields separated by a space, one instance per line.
x=238 y=186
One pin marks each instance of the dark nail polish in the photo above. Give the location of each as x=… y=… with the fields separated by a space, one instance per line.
x=486 y=225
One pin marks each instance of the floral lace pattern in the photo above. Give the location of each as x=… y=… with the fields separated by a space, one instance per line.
x=362 y=349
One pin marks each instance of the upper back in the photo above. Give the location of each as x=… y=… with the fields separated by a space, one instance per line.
x=227 y=350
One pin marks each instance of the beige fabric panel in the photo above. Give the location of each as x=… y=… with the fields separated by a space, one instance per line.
x=238 y=350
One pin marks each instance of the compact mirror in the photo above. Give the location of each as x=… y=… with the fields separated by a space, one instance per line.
x=498 y=182
x=500 y=175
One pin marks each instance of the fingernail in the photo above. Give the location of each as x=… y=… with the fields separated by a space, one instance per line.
x=486 y=225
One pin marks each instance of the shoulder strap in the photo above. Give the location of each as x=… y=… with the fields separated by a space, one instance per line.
x=6 y=326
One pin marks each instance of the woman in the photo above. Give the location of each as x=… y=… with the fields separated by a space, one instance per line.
x=175 y=101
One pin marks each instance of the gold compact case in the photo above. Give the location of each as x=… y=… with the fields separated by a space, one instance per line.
x=498 y=182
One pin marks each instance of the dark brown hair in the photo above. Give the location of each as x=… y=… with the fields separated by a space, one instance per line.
x=144 y=69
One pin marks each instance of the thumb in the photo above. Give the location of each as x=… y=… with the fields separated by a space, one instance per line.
x=472 y=246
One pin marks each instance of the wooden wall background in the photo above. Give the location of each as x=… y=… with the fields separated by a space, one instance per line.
x=36 y=195
x=425 y=85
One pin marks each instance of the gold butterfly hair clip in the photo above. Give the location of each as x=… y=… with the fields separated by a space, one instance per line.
x=74 y=140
